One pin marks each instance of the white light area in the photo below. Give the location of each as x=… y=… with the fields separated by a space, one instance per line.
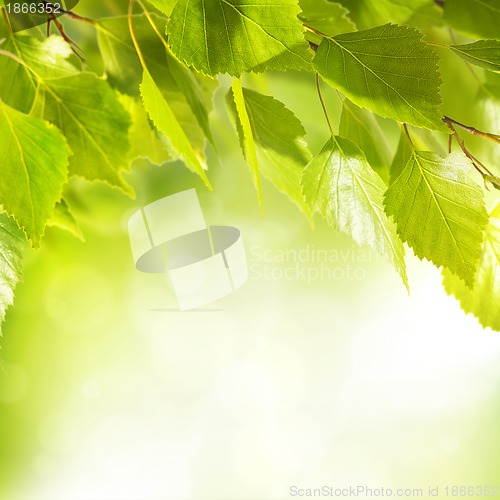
x=55 y=48
x=57 y=433
x=117 y=457
x=243 y=390
x=450 y=444
x=91 y=389
x=278 y=384
x=422 y=365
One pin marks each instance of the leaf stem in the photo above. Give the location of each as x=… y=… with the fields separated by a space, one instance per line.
x=77 y=17
x=471 y=130
x=315 y=31
x=132 y=35
x=407 y=133
x=153 y=25
x=437 y=44
x=318 y=87
x=19 y=61
x=7 y=20
x=478 y=165
x=65 y=37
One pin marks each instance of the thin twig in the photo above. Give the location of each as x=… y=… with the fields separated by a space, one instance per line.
x=478 y=165
x=407 y=132
x=153 y=25
x=318 y=87
x=73 y=45
x=472 y=130
x=132 y=34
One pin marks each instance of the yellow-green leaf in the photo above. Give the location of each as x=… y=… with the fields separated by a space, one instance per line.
x=276 y=136
x=94 y=122
x=246 y=136
x=34 y=162
x=12 y=242
x=166 y=122
x=484 y=298
x=483 y=53
x=440 y=212
x=234 y=36
x=340 y=185
x=387 y=69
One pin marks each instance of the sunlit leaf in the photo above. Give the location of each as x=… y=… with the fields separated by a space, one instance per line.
x=146 y=141
x=121 y=62
x=479 y=18
x=245 y=134
x=276 y=136
x=234 y=36
x=166 y=122
x=440 y=212
x=47 y=59
x=34 y=160
x=12 y=242
x=124 y=69
x=483 y=53
x=360 y=127
x=340 y=185
x=327 y=17
x=369 y=13
x=62 y=218
x=377 y=69
x=94 y=123
x=423 y=140
x=484 y=298
x=165 y=6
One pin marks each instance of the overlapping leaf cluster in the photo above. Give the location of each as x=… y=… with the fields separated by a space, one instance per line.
x=58 y=120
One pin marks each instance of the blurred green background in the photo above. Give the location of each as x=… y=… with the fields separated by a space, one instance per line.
x=108 y=393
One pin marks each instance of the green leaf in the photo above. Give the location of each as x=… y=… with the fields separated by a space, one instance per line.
x=478 y=18
x=192 y=90
x=124 y=69
x=47 y=59
x=387 y=69
x=63 y=219
x=267 y=129
x=483 y=53
x=483 y=299
x=439 y=211
x=360 y=127
x=245 y=134
x=327 y=17
x=401 y=158
x=165 y=6
x=340 y=185
x=423 y=140
x=121 y=62
x=234 y=36
x=94 y=122
x=186 y=119
x=34 y=158
x=12 y=243
x=166 y=122
x=369 y=13
x=145 y=139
